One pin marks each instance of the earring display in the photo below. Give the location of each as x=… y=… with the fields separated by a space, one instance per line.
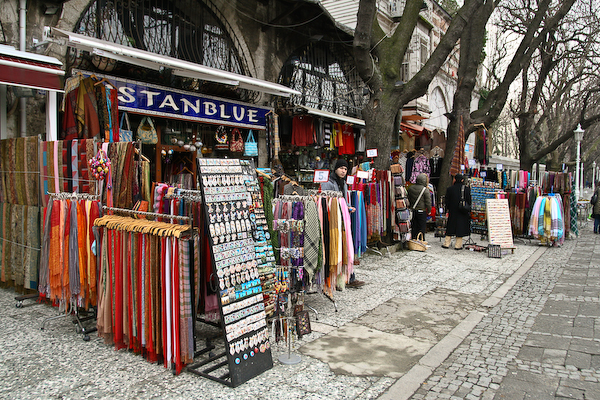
x=238 y=235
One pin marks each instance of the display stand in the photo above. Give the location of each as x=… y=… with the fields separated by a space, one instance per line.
x=499 y=225
x=236 y=231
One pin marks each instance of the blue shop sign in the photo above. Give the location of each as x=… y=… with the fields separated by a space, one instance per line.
x=149 y=99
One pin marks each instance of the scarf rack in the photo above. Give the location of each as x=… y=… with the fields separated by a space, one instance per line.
x=146 y=213
x=195 y=196
x=73 y=304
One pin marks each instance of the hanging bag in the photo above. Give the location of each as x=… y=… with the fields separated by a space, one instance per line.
x=236 y=144
x=250 y=147
x=463 y=206
x=125 y=132
x=221 y=139
x=146 y=132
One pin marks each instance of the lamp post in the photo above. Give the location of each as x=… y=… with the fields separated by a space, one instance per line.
x=578 y=137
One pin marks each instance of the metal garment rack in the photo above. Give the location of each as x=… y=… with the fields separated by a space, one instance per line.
x=78 y=318
x=312 y=194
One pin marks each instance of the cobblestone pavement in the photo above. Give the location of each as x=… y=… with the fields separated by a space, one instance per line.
x=541 y=341
x=444 y=288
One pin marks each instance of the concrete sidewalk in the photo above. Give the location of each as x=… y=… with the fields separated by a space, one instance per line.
x=386 y=338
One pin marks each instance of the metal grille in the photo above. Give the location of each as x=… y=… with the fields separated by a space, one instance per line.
x=184 y=29
x=327 y=79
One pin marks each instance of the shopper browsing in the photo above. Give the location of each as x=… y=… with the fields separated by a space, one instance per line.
x=459 y=222
x=419 y=198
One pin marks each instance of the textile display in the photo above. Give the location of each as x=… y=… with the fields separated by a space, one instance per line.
x=145 y=298
x=90 y=109
x=68 y=264
x=547 y=220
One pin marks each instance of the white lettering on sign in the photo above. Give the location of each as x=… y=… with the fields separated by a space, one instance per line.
x=187 y=105
x=150 y=96
x=168 y=101
x=223 y=113
x=210 y=108
x=127 y=93
x=252 y=116
x=240 y=116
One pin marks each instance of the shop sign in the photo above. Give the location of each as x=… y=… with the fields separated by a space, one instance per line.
x=148 y=99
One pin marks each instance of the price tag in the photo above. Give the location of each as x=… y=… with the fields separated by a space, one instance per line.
x=321 y=175
x=499 y=167
x=350 y=179
x=371 y=153
x=362 y=175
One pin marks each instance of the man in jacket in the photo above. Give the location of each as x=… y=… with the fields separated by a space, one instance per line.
x=419 y=198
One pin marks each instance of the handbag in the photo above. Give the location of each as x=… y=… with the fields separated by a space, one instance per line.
x=125 y=135
x=221 y=139
x=401 y=203
x=396 y=168
x=463 y=206
x=146 y=131
x=417 y=244
x=398 y=180
x=403 y=215
x=236 y=144
x=250 y=147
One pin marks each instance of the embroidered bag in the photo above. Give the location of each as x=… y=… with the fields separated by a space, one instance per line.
x=398 y=180
x=403 y=215
x=236 y=144
x=146 y=132
x=463 y=206
x=125 y=132
x=250 y=147
x=221 y=139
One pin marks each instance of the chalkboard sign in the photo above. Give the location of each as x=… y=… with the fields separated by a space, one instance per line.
x=237 y=228
x=499 y=225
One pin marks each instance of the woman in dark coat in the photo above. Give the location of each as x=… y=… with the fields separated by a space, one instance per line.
x=459 y=222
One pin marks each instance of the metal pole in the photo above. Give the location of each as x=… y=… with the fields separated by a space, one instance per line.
x=577 y=171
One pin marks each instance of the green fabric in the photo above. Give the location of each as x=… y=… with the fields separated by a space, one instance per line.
x=267 y=205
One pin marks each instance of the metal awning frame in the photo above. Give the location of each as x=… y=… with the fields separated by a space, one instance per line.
x=180 y=67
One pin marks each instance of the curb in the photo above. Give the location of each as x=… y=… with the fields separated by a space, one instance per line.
x=410 y=382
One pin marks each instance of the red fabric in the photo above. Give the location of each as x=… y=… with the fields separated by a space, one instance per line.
x=303 y=131
x=347 y=140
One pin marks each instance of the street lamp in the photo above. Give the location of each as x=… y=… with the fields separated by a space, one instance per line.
x=578 y=137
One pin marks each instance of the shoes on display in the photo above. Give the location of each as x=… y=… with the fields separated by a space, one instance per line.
x=355 y=284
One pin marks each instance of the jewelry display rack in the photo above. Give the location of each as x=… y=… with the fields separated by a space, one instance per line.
x=233 y=207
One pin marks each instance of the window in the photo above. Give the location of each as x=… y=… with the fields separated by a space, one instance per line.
x=168 y=28
x=424 y=51
x=327 y=79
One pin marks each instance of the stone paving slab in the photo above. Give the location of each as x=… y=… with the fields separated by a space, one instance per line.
x=57 y=363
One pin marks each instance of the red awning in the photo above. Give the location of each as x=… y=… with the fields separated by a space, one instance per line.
x=413 y=129
x=19 y=68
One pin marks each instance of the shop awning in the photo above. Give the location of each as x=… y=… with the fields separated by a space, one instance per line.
x=413 y=129
x=336 y=117
x=180 y=67
x=19 y=68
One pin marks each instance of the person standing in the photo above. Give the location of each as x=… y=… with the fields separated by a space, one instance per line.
x=419 y=198
x=459 y=222
x=596 y=208
x=337 y=183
